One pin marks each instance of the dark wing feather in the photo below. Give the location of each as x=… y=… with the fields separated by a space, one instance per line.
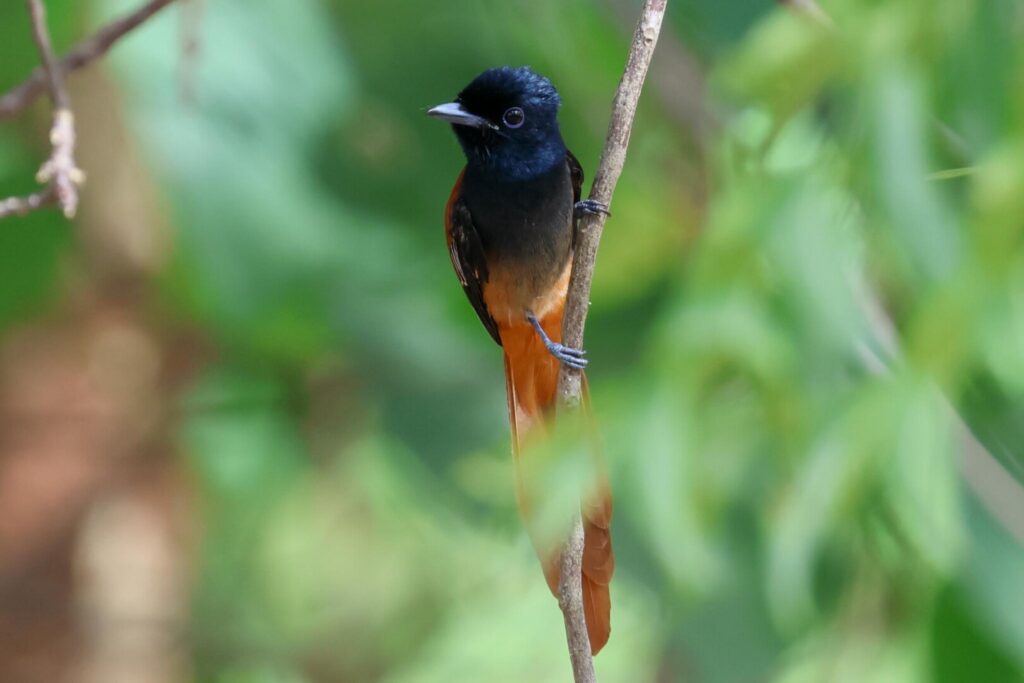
x=468 y=256
x=576 y=173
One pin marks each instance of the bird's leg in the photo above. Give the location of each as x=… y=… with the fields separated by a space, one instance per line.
x=589 y=206
x=565 y=354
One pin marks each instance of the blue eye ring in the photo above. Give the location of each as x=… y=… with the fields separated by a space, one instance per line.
x=513 y=117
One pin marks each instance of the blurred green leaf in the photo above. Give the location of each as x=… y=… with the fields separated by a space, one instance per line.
x=918 y=215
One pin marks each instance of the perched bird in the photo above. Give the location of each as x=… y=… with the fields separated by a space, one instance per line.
x=509 y=224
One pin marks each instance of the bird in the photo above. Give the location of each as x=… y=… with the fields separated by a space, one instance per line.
x=509 y=225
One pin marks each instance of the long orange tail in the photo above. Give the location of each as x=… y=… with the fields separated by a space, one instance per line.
x=531 y=379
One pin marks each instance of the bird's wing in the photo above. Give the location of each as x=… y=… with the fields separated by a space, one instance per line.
x=576 y=173
x=468 y=255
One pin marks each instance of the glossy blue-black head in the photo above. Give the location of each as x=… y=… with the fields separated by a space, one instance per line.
x=507 y=122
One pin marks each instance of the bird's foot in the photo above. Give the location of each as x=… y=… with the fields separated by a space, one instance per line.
x=566 y=355
x=591 y=207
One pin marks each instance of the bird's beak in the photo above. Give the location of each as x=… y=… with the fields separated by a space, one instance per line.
x=452 y=112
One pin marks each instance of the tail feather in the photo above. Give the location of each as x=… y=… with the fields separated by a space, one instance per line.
x=531 y=378
x=597 y=610
x=598 y=558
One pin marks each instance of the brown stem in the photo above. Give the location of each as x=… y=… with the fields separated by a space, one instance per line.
x=60 y=169
x=82 y=54
x=609 y=169
x=570 y=600
x=588 y=236
x=19 y=206
x=41 y=35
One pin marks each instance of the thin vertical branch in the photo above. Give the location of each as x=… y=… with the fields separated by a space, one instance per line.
x=588 y=237
x=41 y=35
x=60 y=169
x=570 y=600
x=605 y=178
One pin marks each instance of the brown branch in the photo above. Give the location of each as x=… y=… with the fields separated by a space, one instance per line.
x=570 y=600
x=609 y=169
x=19 y=206
x=53 y=77
x=588 y=236
x=81 y=55
x=60 y=169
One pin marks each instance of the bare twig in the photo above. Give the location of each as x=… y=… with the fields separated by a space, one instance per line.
x=82 y=54
x=607 y=175
x=678 y=81
x=51 y=74
x=584 y=257
x=570 y=600
x=59 y=170
x=19 y=206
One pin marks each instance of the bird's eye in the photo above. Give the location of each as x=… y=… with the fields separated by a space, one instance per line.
x=514 y=117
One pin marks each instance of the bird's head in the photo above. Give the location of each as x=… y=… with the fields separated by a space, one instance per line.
x=507 y=122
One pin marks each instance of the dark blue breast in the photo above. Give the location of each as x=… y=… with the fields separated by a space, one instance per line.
x=524 y=221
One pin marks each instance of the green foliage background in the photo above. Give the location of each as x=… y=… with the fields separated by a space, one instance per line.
x=790 y=503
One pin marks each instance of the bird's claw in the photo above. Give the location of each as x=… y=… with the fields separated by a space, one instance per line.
x=591 y=207
x=567 y=355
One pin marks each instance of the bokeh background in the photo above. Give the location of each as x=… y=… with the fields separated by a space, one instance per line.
x=251 y=432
